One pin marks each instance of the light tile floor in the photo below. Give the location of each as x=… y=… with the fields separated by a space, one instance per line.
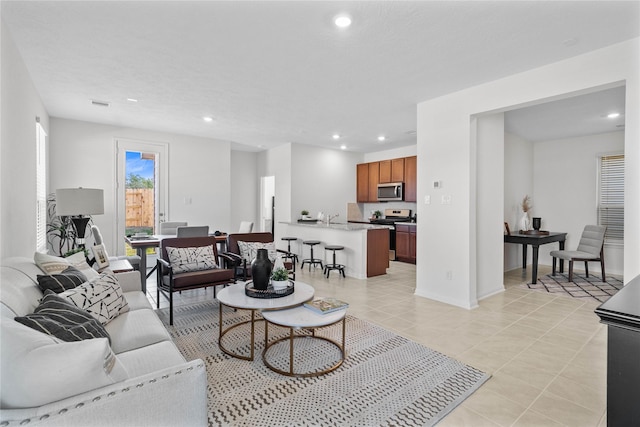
x=546 y=353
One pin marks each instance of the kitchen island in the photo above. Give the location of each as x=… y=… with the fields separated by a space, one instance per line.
x=366 y=246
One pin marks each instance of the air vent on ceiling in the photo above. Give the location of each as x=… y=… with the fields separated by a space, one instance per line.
x=100 y=103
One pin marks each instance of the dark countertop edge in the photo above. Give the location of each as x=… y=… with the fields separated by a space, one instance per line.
x=623 y=309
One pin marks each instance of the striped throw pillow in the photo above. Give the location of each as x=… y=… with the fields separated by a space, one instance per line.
x=67 y=279
x=62 y=319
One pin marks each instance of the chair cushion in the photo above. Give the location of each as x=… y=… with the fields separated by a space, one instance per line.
x=102 y=297
x=192 y=258
x=60 y=318
x=248 y=250
x=69 y=278
x=569 y=255
x=200 y=278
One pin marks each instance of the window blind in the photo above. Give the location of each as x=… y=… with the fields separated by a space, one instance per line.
x=611 y=196
x=41 y=190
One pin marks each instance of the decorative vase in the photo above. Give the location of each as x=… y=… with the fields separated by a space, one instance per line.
x=261 y=270
x=537 y=223
x=525 y=223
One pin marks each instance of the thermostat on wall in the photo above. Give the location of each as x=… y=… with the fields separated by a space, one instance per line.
x=437 y=184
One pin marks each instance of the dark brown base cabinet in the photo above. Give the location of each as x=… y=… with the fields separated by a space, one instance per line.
x=406 y=243
x=621 y=313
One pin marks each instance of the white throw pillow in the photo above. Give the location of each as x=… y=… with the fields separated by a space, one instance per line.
x=249 y=250
x=39 y=369
x=192 y=259
x=51 y=264
x=79 y=261
x=102 y=297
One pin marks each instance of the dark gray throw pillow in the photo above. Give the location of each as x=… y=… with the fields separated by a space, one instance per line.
x=61 y=318
x=69 y=278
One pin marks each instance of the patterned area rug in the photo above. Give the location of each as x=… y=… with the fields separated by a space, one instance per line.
x=385 y=379
x=591 y=287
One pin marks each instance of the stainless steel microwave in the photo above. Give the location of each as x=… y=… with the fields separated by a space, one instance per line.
x=390 y=192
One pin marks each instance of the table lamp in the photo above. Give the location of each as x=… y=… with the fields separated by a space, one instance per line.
x=79 y=204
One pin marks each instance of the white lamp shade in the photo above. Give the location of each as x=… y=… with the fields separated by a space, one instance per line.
x=79 y=201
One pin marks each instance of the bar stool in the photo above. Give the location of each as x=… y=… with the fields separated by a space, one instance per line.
x=311 y=261
x=293 y=257
x=334 y=266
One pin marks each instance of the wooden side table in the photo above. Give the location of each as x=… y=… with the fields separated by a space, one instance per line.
x=120 y=266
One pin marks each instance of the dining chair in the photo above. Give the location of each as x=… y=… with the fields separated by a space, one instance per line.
x=590 y=248
x=245 y=227
x=170 y=227
x=192 y=231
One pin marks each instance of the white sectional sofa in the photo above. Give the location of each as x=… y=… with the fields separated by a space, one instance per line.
x=138 y=379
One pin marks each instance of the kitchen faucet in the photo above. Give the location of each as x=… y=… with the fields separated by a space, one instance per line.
x=330 y=217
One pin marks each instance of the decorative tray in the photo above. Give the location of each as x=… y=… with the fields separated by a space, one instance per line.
x=252 y=292
x=535 y=232
x=308 y=221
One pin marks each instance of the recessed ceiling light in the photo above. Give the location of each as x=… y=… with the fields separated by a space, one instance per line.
x=342 y=21
x=335 y=136
x=613 y=115
x=381 y=138
x=343 y=147
x=207 y=119
x=132 y=100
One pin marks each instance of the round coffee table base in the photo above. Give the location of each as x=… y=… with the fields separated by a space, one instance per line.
x=291 y=338
x=224 y=332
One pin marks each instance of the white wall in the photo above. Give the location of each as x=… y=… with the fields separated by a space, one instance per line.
x=394 y=153
x=20 y=106
x=445 y=141
x=324 y=180
x=518 y=182
x=489 y=205
x=245 y=189
x=82 y=154
x=565 y=191
x=276 y=162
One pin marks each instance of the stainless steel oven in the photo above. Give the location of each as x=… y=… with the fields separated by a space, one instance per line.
x=391 y=216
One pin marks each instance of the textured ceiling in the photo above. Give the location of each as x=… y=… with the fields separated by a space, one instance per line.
x=276 y=72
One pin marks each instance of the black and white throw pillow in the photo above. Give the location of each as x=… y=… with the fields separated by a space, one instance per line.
x=67 y=279
x=191 y=259
x=249 y=250
x=59 y=317
x=102 y=297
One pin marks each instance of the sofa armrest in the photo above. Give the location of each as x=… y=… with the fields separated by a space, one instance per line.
x=129 y=281
x=168 y=397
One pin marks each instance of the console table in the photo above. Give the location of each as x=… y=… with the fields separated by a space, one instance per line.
x=535 y=240
x=621 y=314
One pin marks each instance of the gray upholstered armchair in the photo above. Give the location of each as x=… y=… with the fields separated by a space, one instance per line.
x=590 y=248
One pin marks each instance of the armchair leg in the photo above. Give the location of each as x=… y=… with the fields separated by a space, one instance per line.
x=553 y=266
x=171 y=308
x=602 y=267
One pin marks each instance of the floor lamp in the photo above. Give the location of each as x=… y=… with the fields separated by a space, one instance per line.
x=79 y=204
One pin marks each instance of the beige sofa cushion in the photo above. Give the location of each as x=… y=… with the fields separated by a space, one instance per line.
x=37 y=368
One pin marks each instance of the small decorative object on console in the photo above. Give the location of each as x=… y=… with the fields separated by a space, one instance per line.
x=324 y=305
x=280 y=278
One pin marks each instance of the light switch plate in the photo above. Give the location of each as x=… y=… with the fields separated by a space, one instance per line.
x=427 y=200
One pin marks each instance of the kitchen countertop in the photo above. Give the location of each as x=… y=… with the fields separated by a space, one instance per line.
x=351 y=226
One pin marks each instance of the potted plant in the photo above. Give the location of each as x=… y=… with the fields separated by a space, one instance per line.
x=305 y=214
x=377 y=214
x=280 y=278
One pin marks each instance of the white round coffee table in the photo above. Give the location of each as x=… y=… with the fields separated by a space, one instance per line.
x=302 y=318
x=234 y=296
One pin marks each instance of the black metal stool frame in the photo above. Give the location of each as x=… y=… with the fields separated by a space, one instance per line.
x=312 y=261
x=334 y=266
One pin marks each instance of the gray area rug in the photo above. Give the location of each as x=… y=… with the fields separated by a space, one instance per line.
x=591 y=287
x=385 y=379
